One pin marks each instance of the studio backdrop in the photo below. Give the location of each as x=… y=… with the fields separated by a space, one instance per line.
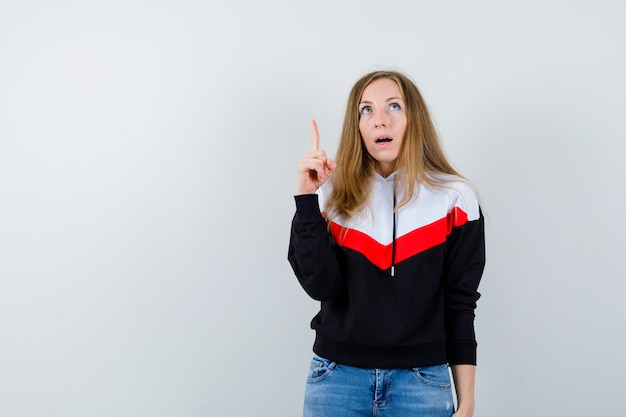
x=148 y=152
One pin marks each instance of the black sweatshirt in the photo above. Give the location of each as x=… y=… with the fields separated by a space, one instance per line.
x=396 y=290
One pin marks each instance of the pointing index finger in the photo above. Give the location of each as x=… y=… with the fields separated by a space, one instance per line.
x=315 y=136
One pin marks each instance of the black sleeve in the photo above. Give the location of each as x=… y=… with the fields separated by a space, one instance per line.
x=312 y=251
x=465 y=261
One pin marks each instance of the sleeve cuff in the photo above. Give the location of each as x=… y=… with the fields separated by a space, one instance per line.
x=307 y=205
x=462 y=353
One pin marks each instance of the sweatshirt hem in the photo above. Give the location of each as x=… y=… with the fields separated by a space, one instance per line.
x=383 y=357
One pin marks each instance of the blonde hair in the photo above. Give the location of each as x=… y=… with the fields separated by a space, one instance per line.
x=421 y=152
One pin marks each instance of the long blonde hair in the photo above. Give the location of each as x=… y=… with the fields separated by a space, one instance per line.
x=421 y=152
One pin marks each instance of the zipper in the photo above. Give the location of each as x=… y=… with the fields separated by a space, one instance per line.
x=393 y=243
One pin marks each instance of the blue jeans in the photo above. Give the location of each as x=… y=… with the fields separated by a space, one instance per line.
x=335 y=390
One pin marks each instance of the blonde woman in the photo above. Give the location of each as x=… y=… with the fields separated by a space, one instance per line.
x=390 y=239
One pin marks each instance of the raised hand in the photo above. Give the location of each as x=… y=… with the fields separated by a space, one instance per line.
x=314 y=168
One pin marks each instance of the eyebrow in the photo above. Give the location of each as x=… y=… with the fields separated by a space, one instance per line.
x=389 y=99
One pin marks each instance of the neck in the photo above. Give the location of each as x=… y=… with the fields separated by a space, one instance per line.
x=385 y=170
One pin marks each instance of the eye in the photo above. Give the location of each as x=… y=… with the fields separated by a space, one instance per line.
x=366 y=109
x=394 y=106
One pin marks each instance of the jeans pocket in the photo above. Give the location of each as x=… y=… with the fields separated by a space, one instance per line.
x=320 y=369
x=437 y=376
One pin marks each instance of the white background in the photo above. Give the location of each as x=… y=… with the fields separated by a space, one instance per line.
x=147 y=160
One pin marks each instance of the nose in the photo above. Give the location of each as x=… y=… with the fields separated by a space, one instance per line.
x=382 y=120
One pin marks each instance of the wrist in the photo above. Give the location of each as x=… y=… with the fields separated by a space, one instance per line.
x=465 y=409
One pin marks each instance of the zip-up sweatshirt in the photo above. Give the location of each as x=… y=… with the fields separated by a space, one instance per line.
x=397 y=289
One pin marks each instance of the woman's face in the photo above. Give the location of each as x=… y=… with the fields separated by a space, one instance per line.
x=382 y=123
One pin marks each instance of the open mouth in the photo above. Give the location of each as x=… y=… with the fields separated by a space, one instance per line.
x=383 y=140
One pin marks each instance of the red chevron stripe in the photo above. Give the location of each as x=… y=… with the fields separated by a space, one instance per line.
x=410 y=244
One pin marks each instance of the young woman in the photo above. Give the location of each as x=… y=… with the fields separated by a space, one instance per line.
x=390 y=239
